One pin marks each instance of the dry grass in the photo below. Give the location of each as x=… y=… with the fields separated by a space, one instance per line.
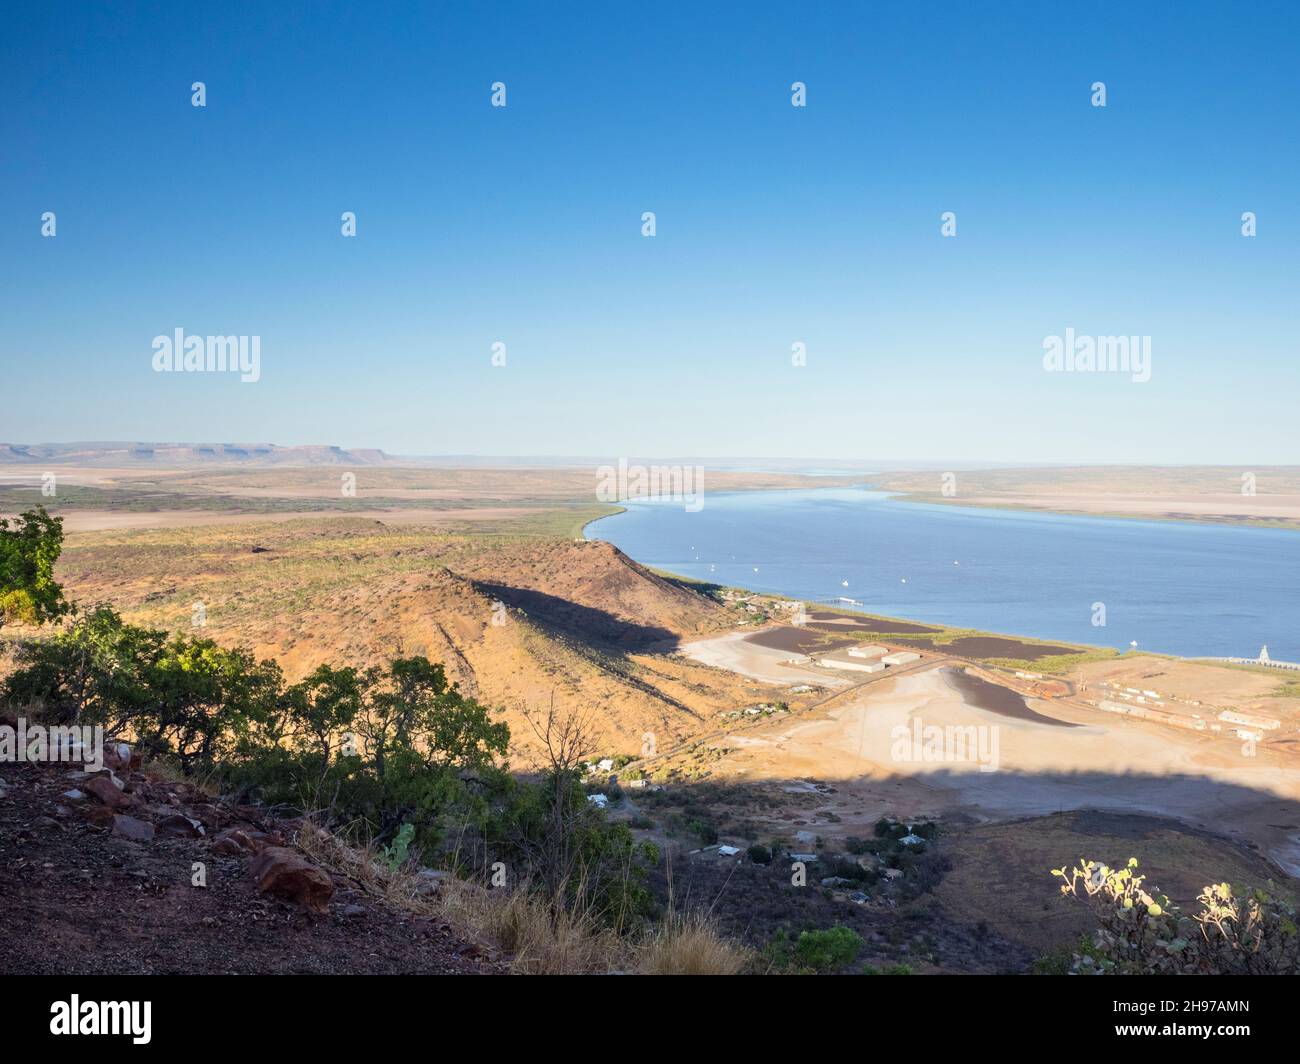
x=539 y=938
x=533 y=936
x=689 y=944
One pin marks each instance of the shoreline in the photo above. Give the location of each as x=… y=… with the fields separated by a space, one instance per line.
x=1281 y=523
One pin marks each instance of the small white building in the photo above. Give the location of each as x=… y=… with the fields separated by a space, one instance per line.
x=836 y=661
x=901 y=657
x=871 y=650
x=1250 y=720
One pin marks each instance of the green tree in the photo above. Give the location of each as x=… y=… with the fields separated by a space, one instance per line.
x=322 y=707
x=30 y=544
x=206 y=700
x=413 y=707
x=828 y=950
x=94 y=670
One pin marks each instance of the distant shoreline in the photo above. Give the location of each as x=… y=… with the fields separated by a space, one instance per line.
x=1282 y=521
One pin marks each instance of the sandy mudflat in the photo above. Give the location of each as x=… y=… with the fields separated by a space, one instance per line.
x=1225 y=506
x=99 y=520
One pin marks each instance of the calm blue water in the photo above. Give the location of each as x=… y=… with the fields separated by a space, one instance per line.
x=1174 y=587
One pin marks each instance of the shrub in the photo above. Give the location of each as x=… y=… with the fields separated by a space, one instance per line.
x=396 y=852
x=1142 y=932
x=893 y=969
x=704 y=830
x=828 y=950
x=759 y=854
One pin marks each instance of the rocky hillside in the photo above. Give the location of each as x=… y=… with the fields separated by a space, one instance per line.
x=125 y=871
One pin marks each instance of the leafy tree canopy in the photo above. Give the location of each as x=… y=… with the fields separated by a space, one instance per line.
x=29 y=546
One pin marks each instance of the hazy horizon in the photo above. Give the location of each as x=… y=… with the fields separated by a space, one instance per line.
x=846 y=465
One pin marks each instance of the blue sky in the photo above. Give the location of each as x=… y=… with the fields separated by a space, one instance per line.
x=775 y=225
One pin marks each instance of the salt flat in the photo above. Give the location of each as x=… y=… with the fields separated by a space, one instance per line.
x=733 y=651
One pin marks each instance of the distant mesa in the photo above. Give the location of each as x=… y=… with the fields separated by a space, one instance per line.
x=188 y=454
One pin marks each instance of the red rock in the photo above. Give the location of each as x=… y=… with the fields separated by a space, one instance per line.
x=177 y=826
x=103 y=788
x=128 y=827
x=286 y=874
x=99 y=815
x=212 y=816
x=243 y=839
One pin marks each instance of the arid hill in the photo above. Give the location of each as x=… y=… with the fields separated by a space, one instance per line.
x=516 y=620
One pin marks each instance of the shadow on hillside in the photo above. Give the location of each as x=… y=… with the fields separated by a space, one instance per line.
x=707 y=588
x=1257 y=822
x=583 y=623
x=979 y=897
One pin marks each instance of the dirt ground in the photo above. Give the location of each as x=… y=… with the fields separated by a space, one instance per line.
x=80 y=900
x=999 y=873
x=1217 y=686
